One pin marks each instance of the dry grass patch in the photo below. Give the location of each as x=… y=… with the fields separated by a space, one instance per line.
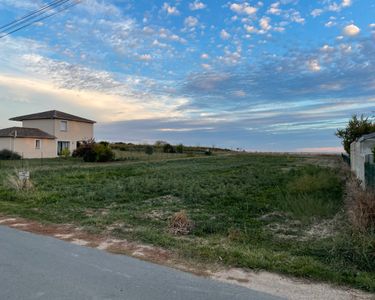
x=180 y=224
x=360 y=205
x=13 y=181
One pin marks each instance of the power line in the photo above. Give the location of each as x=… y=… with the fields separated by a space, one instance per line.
x=51 y=4
x=38 y=16
x=33 y=18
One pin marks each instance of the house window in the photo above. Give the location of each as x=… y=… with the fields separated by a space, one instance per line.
x=64 y=126
x=61 y=146
x=37 y=144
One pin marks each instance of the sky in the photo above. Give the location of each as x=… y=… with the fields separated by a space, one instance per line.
x=256 y=75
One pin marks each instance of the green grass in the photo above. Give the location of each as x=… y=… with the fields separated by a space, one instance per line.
x=251 y=211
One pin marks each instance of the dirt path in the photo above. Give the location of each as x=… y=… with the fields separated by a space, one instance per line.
x=274 y=284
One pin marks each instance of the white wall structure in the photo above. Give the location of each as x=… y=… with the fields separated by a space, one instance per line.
x=359 y=150
x=67 y=132
x=46 y=134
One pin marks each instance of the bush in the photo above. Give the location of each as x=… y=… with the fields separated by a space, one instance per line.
x=149 y=150
x=180 y=224
x=180 y=148
x=9 y=155
x=168 y=148
x=357 y=127
x=208 y=152
x=360 y=206
x=104 y=153
x=84 y=147
x=93 y=152
x=65 y=153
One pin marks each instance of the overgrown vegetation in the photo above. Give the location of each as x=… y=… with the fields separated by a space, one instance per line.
x=91 y=151
x=14 y=182
x=360 y=206
x=275 y=212
x=357 y=127
x=9 y=155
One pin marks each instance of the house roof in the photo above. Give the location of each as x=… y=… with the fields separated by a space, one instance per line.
x=367 y=137
x=24 y=132
x=52 y=114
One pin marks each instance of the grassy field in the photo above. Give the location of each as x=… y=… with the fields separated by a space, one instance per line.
x=280 y=213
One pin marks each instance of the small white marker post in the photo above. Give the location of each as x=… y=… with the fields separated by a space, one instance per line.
x=24 y=176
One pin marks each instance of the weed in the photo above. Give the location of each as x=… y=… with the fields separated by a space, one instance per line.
x=249 y=210
x=180 y=224
x=15 y=182
x=360 y=205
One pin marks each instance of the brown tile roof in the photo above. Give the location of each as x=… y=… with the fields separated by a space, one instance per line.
x=52 y=114
x=23 y=132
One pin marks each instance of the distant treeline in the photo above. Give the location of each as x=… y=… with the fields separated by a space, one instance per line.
x=165 y=147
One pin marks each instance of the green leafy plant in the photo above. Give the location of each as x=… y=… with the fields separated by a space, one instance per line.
x=104 y=153
x=168 y=148
x=180 y=148
x=357 y=127
x=149 y=150
x=93 y=152
x=65 y=153
x=9 y=155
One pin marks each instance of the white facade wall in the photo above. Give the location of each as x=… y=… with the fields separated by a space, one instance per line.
x=76 y=131
x=358 y=153
x=27 y=147
x=5 y=143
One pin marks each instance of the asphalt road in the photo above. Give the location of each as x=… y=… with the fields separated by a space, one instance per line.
x=39 y=267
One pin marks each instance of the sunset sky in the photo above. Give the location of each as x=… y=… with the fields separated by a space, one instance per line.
x=259 y=75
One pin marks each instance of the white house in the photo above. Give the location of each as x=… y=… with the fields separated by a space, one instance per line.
x=360 y=153
x=46 y=134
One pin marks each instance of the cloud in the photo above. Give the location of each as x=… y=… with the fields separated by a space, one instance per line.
x=20 y=4
x=191 y=21
x=243 y=8
x=316 y=12
x=330 y=24
x=274 y=9
x=331 y=6
x=265 y=23
x=251 y=29
x=327 y=48
x=314 y=65
x=197 y=5
x=351 y=30
x=170 y=10
x=224 y=34
x=145 y=57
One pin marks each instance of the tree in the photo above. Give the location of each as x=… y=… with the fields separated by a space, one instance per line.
x=357 y=127
x=160 y=143
x=168 y=148
x=149 y=150
x=180 y=148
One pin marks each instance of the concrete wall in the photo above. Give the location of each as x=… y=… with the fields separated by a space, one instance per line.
x=26 y=147
x=44 y=125
x=358 y=153
x=77 y=131
x=5 y=143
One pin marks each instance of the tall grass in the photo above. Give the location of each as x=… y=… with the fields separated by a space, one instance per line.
x=233 y=201
x=360 y=205
x=312 y=192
